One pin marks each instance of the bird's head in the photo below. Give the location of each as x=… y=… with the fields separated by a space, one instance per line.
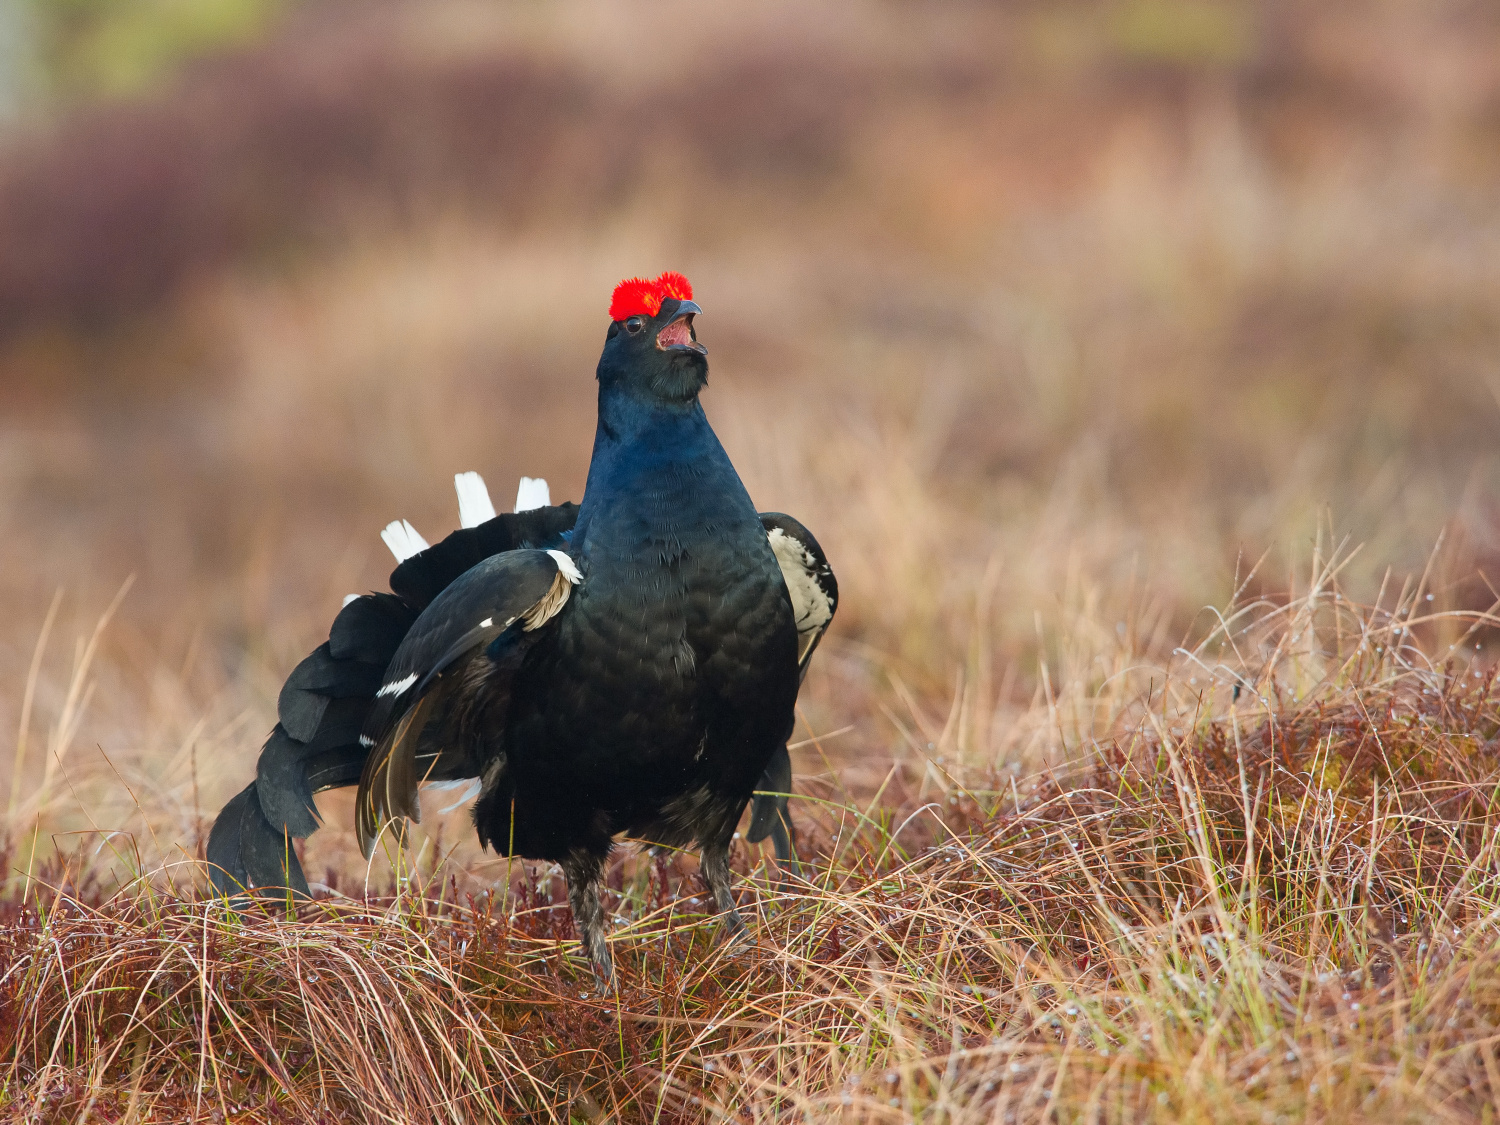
x=652 y=350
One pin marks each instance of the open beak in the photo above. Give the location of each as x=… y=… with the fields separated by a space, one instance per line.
x=678 y=335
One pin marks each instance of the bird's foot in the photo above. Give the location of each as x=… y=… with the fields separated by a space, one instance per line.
x=604 y=978
x=582 y=871
x=789 y=874
x=737 y=937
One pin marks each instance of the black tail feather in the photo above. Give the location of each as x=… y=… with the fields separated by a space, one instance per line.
x=226 y=870
x=324 y=702
x=299 y=708
x=245 y=852
x=285 y=798
x=322 y=709
x=426 y=575
x=369 y=629
x=319 y=678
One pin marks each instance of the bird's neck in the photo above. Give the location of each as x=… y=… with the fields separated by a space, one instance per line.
x=666 y=457
x=627 y=418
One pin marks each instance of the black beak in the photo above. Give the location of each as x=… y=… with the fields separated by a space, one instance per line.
x=678 y=336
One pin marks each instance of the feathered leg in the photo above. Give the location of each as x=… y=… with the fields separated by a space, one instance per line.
x=784 y=840
x=715 y=868
x=582 y=870
x=769 y=815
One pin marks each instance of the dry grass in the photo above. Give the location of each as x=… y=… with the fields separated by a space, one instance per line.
x=1264 y=890
x=1049 y=320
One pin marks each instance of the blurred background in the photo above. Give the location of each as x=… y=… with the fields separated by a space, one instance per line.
x=1051 y=319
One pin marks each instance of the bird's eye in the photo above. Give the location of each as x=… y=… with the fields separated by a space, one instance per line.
x=635 y=324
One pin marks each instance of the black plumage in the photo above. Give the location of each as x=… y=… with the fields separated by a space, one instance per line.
x=629 y=665
x=315 y=745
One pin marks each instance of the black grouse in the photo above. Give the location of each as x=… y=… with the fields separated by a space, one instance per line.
x=627 y=665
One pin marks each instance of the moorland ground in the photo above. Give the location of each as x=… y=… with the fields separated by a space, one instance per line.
x=1134 y=362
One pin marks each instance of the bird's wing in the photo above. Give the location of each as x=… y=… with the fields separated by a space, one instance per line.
x=815 y=595
x=496 y=608
x=809 y=580
x=327 y=699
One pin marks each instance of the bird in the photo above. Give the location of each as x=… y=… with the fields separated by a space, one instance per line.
x=626 y=666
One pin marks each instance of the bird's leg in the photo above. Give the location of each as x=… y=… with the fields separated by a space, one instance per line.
x=783 y=839
x=715 y=868
x=582 y=869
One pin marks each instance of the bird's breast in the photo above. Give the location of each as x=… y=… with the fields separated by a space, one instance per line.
x=681 y=623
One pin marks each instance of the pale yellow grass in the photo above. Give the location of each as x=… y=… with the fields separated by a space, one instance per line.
x=1256 y=883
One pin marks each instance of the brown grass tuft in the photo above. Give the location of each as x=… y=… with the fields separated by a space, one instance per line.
x=1266 y=893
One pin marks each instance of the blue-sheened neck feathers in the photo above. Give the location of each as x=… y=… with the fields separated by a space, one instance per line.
x=638 y=445
x=657 y=464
